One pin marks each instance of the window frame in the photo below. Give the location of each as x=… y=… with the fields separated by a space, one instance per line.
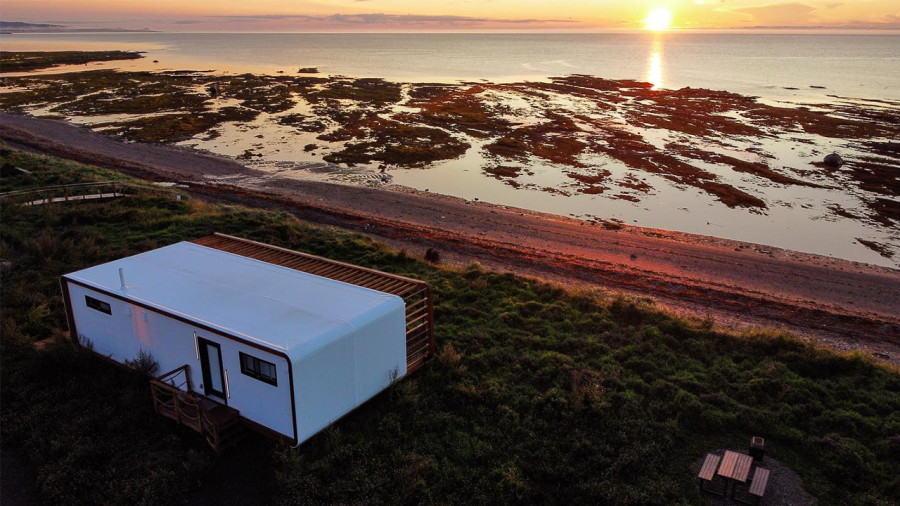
x=256 y=371
x=98 y=305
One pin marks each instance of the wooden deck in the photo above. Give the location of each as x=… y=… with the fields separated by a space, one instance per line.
x=73 y=198
x=174 y=397
x=78 y=192
x=415 y=294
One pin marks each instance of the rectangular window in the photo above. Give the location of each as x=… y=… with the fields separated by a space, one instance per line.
x=99 y=305
x=259 y=369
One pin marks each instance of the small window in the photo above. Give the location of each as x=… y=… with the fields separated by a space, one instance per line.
x=99 y=305
x=259 y=369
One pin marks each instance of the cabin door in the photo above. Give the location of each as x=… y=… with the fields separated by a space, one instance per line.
x=213 y=372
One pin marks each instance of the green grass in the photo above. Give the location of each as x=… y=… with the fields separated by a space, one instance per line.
x=538 y=395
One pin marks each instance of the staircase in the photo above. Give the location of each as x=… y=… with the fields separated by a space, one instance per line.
x=174 y=397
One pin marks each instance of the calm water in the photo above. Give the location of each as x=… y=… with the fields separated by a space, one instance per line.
x=852 y=65
x=818 y=66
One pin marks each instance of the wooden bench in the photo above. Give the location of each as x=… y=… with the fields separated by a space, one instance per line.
x=757 y=487
x=758 y=483
x=708 y=473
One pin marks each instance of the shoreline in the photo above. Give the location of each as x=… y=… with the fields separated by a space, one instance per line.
x=580 y=146
x=843 y=304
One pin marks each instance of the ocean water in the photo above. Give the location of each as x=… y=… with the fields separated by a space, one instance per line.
x=782 y=69
x=851 y=65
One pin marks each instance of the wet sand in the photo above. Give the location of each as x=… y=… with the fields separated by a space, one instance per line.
x=844 y=304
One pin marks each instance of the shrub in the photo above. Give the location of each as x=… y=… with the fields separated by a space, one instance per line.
x=433 y=256
x=144 y=363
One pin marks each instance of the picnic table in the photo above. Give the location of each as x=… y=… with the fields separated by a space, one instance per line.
x=735 y=468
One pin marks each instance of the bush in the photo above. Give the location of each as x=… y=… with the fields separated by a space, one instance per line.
x=433 y=256
x=144 y=364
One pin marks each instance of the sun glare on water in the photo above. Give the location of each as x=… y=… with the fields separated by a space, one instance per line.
x=658 y=20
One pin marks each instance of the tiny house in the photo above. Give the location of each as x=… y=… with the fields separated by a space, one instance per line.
x=281 y=341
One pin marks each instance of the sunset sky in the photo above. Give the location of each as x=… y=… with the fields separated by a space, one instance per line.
x=474 y=15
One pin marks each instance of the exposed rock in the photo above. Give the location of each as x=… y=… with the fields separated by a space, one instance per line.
x=833 y=160
x=248 y=154
x=882 y=249
x=890 y=149
x=308 y=70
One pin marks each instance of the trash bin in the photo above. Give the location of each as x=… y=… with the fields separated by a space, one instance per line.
x=757 y=448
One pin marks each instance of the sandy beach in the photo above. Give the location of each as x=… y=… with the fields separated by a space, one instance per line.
x=846 y=305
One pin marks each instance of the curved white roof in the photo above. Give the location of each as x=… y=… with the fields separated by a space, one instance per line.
x=277 y=307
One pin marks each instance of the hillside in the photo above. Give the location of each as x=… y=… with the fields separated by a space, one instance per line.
x=538 y=394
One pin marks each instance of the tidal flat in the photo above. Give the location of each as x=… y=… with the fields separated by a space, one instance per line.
x=616 y=151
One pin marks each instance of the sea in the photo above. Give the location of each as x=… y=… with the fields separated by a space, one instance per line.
x=780 y=68
x=760 y=64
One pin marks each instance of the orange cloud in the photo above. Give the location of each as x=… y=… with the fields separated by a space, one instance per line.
x=780 y=14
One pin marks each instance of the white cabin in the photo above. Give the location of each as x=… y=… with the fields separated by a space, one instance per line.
x=288 y=350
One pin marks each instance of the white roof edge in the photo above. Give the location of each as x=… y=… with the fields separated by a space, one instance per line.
x=172 y=312
x=310 y=347
x=282 y=268
x=100 y=278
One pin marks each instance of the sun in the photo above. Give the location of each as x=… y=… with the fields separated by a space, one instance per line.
x=658 y=20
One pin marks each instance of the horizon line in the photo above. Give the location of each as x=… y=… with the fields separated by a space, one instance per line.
x=550 y=31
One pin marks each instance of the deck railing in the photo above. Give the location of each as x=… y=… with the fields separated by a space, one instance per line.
x=96 y=190
x=172 y=400
x=218 y=423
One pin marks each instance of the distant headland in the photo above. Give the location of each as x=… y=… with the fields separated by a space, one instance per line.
x=13 y=27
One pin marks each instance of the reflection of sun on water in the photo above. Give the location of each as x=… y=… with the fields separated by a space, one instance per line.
x=655 y=66
x=658 y=20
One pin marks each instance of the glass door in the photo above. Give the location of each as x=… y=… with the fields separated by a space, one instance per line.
x=213 y=373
